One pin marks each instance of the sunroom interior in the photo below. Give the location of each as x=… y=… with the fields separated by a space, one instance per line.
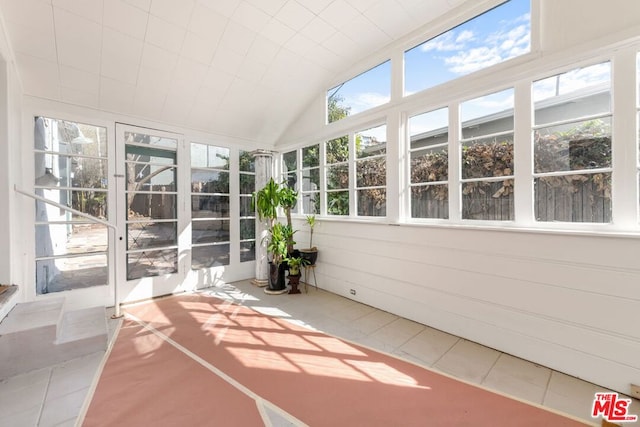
x=472 y=165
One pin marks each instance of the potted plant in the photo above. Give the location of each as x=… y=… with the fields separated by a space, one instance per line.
x=295 y=264
x=277 y=247
x=311 y=253
x=279 y=241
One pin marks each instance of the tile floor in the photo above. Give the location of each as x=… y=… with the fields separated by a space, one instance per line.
x=54 y=396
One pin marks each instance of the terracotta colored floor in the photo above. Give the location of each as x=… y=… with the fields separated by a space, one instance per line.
x=199 y=360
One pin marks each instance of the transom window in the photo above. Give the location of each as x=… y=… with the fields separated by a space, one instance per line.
x=488 y=39
x=363 y=92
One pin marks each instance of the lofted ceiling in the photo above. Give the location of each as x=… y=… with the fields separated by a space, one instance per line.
x=242 y=68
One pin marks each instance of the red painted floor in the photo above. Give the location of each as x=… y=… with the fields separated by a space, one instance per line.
x=316 y=379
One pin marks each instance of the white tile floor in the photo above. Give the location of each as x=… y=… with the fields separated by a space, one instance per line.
x=54 y=396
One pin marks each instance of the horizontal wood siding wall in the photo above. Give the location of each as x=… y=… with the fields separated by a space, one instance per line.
x=570 y=303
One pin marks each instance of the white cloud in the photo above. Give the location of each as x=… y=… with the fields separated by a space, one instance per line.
x=472 y=60
x=495 y=48
x=447 y=42
x=465 y=35
x=365 y=100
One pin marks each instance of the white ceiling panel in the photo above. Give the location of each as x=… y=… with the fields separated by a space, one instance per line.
x=294 y=15
x=237 y=37
x=176 y=12
x=144 y=5
x=116 y=96
x=126 y=18
x=38 y=41
x=81 y=80
x=148 y=101
x=121 y=55
x=271 y=7
x=225 y=8
x=40 y=77
x=165 y=34
x=339 y=13
x=389 y=16
x=198 y=49
x=318 y=29
x=243 y=68
x=90 y=9
x=75 y=96
x=207 y=23
x=78 y=41
x=250 y=16
x=315 y=6
x=263 y=50
x=277 y=32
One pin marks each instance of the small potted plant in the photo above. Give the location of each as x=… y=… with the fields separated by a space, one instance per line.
x=311 y=253
x=295 y=264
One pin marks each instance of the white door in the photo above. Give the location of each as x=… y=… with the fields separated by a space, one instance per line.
x=75 y=186
x=150 y=213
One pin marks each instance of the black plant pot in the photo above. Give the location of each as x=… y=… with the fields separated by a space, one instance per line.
x=276 y=277
x=311 y=255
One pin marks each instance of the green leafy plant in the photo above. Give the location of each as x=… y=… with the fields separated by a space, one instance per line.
x=295 y=264
x=288 y=198
x=311 y=221
x=279 y=236
x=266 y=202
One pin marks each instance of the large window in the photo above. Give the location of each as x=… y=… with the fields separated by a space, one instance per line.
x=363 y=92
x=371 y=171
x=70 y=170
x=429 y=164
x=337 y=176
x=572 y=145
x=488 y=39
x=486 y=149
x=209 y=206
x=247 y=213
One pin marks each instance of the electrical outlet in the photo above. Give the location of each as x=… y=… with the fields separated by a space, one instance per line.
x=352 y=291
x=635 y=391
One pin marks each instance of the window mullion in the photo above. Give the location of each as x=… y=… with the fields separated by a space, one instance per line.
x=624 y=141
x=523 y=154
x=455 y=131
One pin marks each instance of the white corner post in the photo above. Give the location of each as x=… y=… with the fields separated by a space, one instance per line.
x=263 y=168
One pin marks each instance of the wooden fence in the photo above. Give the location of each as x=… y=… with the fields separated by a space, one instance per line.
x=582 y=201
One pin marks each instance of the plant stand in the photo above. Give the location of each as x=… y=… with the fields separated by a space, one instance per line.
x=294 y=281
x=311 y=267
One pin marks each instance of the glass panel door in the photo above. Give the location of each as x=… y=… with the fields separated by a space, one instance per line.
x=151 y=217
x=151 y=202
x=71 y=169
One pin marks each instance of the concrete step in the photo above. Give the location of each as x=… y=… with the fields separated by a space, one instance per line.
x=41 y=333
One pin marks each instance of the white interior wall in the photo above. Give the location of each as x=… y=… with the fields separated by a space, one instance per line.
x=564 y=299
x=10 y=119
